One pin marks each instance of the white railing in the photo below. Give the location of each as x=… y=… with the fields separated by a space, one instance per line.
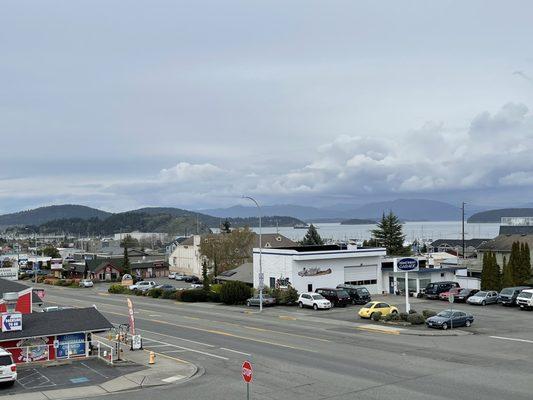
x=104 y=352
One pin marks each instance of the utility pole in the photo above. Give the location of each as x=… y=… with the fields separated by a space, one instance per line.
x=261 y=277
x=463 y=229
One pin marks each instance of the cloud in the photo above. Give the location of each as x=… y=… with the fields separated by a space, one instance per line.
x=523 y=75
x=186 y=172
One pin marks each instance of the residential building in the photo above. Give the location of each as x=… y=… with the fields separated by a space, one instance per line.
x=501 y=246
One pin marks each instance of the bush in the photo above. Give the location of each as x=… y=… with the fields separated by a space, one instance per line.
x=386 y=318
x=235 y=292
x=403 y=316
x=194 y=295
x=138 y=293
x=216 y=287
x=118 y=289
x=168 y=294
x=394 y=317
x=428 y=313
x=213 y=297
x=416 y=319
x=155 y=293
x=376 y=315
x=290 y=296
x=411 y=311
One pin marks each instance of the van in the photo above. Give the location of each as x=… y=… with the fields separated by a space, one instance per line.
x=358 y=294
x=8 y=369
x=525 y=299
x=337 y=297
x=434 y=289
x=508 y=295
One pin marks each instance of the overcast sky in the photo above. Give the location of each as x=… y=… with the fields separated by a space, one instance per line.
x=123 y=104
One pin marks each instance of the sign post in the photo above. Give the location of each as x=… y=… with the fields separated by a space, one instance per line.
x=406 y=265
x=247 y=376
x=451 y=299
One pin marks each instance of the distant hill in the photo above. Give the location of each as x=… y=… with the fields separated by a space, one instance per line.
x=42 y=215
x=496 y=215
x=356 y=221
x=405 y=209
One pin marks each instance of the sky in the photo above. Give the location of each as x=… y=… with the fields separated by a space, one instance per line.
x=192 y=104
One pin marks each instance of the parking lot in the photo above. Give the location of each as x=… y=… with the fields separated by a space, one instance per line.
x=74 y=374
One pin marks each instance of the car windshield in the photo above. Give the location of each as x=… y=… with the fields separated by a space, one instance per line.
x=5 y=360
x=343 y=293
x=481 y=294
x=445 y=314
x=464 y=291
x=362 y=291
x=317 y=297
x=526 y=295
x=368 y=305
x=507 y=291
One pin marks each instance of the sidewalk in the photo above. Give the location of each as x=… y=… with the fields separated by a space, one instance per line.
x=166 y=370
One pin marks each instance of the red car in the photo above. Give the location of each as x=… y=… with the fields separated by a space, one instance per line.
x=446 y=295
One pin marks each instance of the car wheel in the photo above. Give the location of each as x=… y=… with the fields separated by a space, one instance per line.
x=468 y=323
x=315 y=307
x=394 y=312
x=445 y=326
x=248 y=304
x=301 y=305
x=483 y=303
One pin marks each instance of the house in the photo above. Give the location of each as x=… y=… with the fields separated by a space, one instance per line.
x=501 y=246
x=26 y=301
x=150 y=269
x=186 y=257
x=243 y=273
x=455 y=246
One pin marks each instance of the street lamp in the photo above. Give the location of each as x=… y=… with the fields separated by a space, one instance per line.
x=261 y=278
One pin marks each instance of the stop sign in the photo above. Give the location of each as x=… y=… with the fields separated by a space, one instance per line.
x=247 y=371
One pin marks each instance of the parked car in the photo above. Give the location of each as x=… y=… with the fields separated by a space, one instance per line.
x=191 y=279
x=434 y=289
x=267 y=301
x=525 y=299
x=179 y=277
x=86 y=283
x=143 y=286
x=313 y=300
x=172 y=275
x=446 y=295
x=358 y=294
x=450 y=319
x=484 y=297
x=372 y=307
x=166 y=288
x=464 y=295
x=337 y=297
x=8 y=369
x=508 y=295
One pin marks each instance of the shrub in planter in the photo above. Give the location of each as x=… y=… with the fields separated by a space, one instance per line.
x=118 y=289
x=394 y=317
x=235 y=292
x=411 y=311
x=216 y=287
x=387 y=318
x=403 y=316
x=213 y=297
x=428 y=313
x=376 y=316
x=155 y=293
x=416 y=319
x=290 y=295
x=168 y=294
x=194 y=295
x=138 y=293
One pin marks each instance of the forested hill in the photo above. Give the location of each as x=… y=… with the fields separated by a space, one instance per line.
x=42 y=215
x=496 y=215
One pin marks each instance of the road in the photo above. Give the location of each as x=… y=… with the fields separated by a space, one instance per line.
x=307 y=355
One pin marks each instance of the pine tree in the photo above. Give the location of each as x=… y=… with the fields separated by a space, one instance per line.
x=126 y=267
x=523 y=267
x=389 y=234
x=312 y=238
x=490 y=274
x=514 y=262
x=507 y=274
x=226 y=227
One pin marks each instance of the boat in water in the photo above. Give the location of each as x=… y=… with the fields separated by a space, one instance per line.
x=301 y=226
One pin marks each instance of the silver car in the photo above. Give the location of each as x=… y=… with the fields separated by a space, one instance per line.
x=267 y=301
x=483 y=298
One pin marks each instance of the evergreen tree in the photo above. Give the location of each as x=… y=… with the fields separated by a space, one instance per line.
x=126 y=267
x=312 y=238
x=205 y=278
x=389 y=234
x=523 y=267
x=490 y=274
x=507 y=274
x=514 y=262
x=226 y=227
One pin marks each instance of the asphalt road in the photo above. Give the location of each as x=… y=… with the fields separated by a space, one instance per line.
x=306 y=355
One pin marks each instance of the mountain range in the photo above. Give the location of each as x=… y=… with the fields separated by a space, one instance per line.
x=496 y=215
x=405 y=209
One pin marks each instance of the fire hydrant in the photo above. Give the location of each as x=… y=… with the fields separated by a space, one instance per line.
x=152 y=358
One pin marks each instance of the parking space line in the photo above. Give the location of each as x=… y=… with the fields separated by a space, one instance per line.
x=511 y=339
x=92 y=369
x=235 y=351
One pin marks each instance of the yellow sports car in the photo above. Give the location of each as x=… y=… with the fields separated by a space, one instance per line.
x=370 y=308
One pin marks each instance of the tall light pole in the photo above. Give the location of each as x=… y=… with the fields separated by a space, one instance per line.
x=261 y=277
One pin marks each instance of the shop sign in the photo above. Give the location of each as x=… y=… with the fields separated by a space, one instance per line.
x=71 y=345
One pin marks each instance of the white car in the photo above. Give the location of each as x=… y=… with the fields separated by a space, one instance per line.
x=143 y=286
x=172 y=275
x=313 y=300
x=86 y=283
x=525 y=299
x=8 y=369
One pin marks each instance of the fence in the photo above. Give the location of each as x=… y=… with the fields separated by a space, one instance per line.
x=61 y=351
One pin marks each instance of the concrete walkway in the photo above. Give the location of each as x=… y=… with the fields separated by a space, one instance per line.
x=166 y=370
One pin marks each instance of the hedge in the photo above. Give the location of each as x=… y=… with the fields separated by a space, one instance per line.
x=376 y=315
x=428 y=313
x=235 y=292
x=194 y=295
x=416 y=319
x=119 y=289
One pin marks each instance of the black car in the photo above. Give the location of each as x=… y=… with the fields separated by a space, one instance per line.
x=435 y=288
x=450 y=319
x=191 y=279
x=358 y=294
x=464 y=295
x=337 y=297
x=508 y=295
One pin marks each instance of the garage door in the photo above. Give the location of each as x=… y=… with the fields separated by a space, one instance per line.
x=361 y=275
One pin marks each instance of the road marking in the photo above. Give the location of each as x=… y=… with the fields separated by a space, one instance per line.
x=159 y=345
x=375 y=329
x=173 y=378
x=154 y=315
x=193 y=318
x=95 y=371
x=175 y=351
x=235 y=351
x=103 y=294
x=511 y=339
x=175 y=337
x=188 y=349
x=287 y=318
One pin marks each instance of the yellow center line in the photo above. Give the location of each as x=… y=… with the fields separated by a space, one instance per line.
x=378 y=331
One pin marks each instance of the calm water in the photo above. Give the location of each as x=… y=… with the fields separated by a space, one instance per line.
x=427 y=231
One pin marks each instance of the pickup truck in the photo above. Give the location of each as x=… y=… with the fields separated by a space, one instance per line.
x=143 y=286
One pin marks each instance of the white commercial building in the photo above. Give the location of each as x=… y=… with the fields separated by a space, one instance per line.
x=307 y=268
x=186 y=257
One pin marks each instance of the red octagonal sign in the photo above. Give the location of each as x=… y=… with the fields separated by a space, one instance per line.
x=247 y=371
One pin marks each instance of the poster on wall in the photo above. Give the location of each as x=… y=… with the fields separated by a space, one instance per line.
x=74 y=343
x=34 y=349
